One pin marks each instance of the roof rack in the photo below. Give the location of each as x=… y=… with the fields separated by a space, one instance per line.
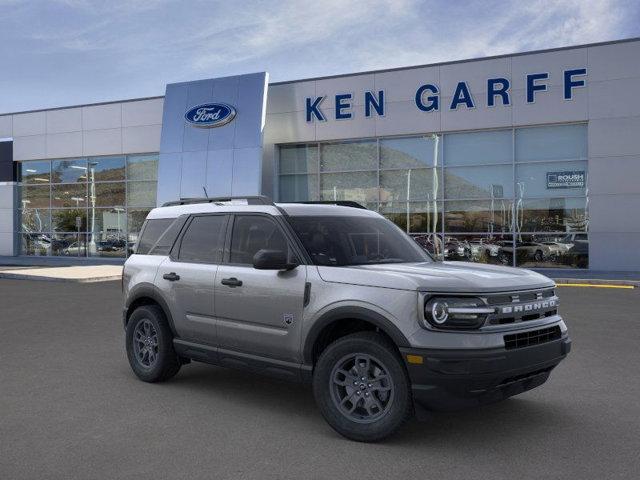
x=341 y=203
x=251 y=200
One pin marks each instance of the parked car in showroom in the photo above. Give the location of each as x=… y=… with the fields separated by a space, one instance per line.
x=341 y=298
x=525 y=251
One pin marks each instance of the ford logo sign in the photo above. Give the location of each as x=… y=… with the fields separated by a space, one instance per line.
x=210 y=115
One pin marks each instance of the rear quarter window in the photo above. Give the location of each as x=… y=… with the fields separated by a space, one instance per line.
x=151 y=233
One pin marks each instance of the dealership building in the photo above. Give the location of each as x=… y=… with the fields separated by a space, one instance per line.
x=530 y=159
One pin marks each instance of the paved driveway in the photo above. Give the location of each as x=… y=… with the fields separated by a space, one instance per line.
x=71 y=408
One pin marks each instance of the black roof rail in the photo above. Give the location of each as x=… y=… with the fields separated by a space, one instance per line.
x=341 y=203
x=251 y=200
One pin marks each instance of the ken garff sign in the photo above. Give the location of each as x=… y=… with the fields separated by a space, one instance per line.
x=210 y=115
x=567 y=179
x=427 y=96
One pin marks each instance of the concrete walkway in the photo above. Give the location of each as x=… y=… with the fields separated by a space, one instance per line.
x=76 y=274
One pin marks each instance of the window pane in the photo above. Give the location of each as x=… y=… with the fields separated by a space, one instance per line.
x=552 y=215
x=167 y=239
x=298 y=159
x=109 y=194
x=431 y=242
x=142 y=167
x=35 y=172
x=252 y=233
x=347 y=156
x=421 y=217
x=360 y=187
x=203 y=240
x=412 y=152
x=553 y=251
x=135 y=219
x=35 y=244
x=559 y=142
x=69 y=245
x=152 y=232
x=494 y=249
x=478 y=216
x=479 y=182
x=106 y=168
x=35 y=196
x=35 y=220
x=108 y=237
x=298 y=188
x=142 y=194
x=66 y=220
x=420 y=184
x=69 y=171
x=478 y=148
x=69 y=195
x=565 y=179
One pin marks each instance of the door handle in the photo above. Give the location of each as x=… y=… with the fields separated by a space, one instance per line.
x=172 y=277
x=231 y=282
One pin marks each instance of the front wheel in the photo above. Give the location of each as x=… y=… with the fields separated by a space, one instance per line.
x=362 y=387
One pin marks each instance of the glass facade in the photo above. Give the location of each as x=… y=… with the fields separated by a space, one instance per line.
x=83 y=207
x=511 y=197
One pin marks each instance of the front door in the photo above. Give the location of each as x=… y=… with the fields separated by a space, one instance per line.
x=259 y=311
x=187 y=278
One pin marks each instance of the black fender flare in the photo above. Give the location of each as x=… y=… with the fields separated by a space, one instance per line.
x=351 y=312
x=148 y=290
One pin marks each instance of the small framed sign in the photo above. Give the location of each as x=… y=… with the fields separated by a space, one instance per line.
x=567 y=179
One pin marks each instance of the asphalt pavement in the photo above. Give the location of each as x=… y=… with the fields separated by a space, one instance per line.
x=70 y=408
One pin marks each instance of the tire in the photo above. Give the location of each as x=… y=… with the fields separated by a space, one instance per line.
x=159 y=362
x=388 y=403
x=538 y=256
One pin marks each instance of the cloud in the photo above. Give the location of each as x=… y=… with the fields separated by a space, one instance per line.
x=80 y=51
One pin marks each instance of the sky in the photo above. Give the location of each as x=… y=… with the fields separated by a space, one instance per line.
x=69 y=52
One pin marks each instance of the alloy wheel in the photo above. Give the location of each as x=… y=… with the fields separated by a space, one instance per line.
x=361 y=388
x=145 y=343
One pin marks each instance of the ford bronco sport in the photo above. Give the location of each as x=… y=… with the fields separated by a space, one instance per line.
x=336 y=295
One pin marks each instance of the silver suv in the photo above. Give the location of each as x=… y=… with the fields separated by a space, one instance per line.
x=338 y=296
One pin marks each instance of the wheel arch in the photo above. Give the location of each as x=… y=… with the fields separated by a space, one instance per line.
x=147 y=294
x=332 y=319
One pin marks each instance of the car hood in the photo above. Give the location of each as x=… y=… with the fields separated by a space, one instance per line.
x=437 y=277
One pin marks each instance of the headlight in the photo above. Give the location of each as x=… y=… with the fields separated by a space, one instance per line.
x=456 y=312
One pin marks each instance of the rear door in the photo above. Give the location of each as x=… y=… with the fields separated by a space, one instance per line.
x=187 y=277
x=259 y=311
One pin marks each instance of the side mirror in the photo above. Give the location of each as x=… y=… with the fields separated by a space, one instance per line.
x=272 y=260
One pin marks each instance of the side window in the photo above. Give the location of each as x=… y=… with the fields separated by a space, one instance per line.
x=252 y=233
x=166 y=240
x=203 y=240
x=152 y=231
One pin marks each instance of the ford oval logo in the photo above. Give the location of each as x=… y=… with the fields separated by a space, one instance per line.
x=210 y=115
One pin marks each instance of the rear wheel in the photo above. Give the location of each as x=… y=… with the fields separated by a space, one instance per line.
x=362 y=387
x=150 y=345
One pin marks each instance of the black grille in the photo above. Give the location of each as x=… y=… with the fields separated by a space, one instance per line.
x=522 y=306
x=533 y=337
x=522 y=297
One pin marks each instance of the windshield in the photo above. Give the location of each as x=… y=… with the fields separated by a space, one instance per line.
x=342 y=241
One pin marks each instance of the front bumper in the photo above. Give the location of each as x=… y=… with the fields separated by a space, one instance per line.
x=455 y=379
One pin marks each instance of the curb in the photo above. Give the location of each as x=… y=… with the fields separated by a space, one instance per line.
x=596 y=282
x=18 y=276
